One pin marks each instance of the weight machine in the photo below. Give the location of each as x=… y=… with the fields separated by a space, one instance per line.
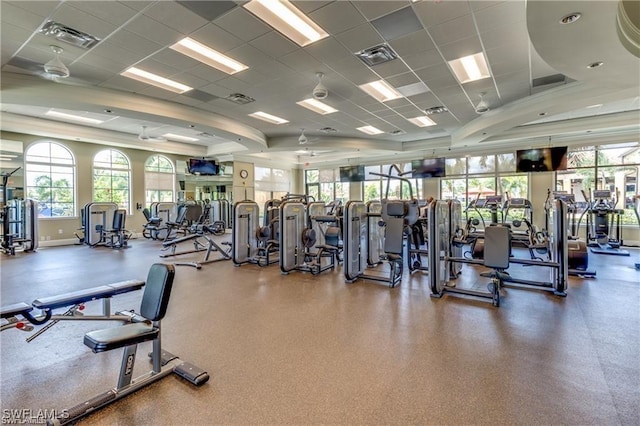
x=604 y=228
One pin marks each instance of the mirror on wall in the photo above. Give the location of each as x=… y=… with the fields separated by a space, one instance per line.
x=12 y=163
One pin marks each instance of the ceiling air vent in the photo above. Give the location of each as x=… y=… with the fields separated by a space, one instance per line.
x=377 y=55
x=239 y=98
x=328 y=130
x=397 y=132
x=436 y=110
x=68 y=35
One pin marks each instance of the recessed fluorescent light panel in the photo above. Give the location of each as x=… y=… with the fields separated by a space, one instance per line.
x=370 y=130
x=470 y=68
x=317 y=106
x=155 y=80
x=268 y=118
x=72 y=117
x=287 y=19
x=422 y=121
x=206 y=55
x=179 y=137
x=381 y=90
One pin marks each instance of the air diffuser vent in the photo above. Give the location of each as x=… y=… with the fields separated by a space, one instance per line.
x=68 y=35
x=436 y=110
x=377 y=55
x=328 y=130
x=397 y=132
x=239 y=98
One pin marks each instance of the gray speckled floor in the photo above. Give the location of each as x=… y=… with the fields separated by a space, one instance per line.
x=302 y=349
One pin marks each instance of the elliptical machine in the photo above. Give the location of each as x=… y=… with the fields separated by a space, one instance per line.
x=604 y=229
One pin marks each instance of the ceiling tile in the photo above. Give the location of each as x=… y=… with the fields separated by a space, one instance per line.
x=274 y=44
x=454 y=30
x=40 y=8
x=207 y=73
x=359 y=38
x=134 y=43
x=209 y=10
x=82 y=21
x=511 y=33
x=301 y=61
x=337 y=17
x=328 y=51
x=433 y=13
x=216 y=38
x=403 y=79
x=375 y=9
x=390 y=68
x=175 y=16
x=153 y=30
x=251 y=27
x=397 y=24
x=411 y=44
x=461 y=48
x=423 y=60
x=309 y=6
x=507 y=59
x=506 y=11
x=113 y=12
x=16 y=16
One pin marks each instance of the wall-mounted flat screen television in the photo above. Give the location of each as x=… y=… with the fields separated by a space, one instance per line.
x=352 y=174
x=198 y=166
x=428 y=168
x=541 y=159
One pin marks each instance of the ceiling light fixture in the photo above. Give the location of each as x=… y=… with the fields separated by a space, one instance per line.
x=317 y=106
x=180 y=138
x=422 y=121
x=198 y=51
x=72 y=117
x=381 y=90
x=268 y=117
x=370 y=130
x=287 y=19
x=470 y=68
x=155 y=80
x=55 y=67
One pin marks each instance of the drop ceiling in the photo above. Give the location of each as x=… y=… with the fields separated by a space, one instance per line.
x=540 y=88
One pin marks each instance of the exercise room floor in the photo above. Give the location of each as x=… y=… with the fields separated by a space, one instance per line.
x=303 y=349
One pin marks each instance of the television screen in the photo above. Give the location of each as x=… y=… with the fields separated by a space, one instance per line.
x=199 y=166
x=428 y=168
x=352 y=174
x=541 y=159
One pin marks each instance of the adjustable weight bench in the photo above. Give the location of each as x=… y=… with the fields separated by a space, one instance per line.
x=19 y=315
x=155 y=301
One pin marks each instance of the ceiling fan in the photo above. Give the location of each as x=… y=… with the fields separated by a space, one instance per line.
x=54 y=69
x=144 y=136
x=303 y=139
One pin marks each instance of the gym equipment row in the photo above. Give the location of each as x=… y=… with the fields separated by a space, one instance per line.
x=604 y=228
x=103 y=224
x=201 y=242
x=142 y=327
x=447 y=238
x=19 y=226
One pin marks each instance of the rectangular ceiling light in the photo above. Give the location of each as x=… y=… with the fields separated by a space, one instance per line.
x=317 y=106
x=155 y=80
x=72 y=117
x=268 y=118
x=470 y=68
x=381 y=90
x=422 y=121
x=206 y=55
x=179 y=137
x=287 y=19
x=370 y=130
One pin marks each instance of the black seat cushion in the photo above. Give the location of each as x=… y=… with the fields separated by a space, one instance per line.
x=107 y=339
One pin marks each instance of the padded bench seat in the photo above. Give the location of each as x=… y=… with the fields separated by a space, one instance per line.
x=14 y=309
x=87 y=295
x=107 y=339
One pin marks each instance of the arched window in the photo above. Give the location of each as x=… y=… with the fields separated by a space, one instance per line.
x=50 y=179
x=159 y=179
x=112 y=178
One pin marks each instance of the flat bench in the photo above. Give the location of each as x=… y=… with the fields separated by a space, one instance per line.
x=73 y=300
x=87 y=295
